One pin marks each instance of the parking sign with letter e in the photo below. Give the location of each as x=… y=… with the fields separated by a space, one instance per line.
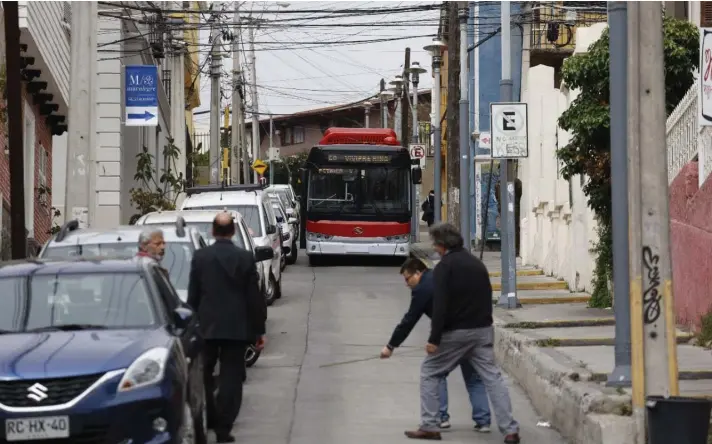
x=508 y=125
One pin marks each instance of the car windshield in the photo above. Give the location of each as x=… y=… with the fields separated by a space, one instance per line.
x=250 y=213
x=176 y=260
x=372 y=190
x=284 y=197
x=74 y=301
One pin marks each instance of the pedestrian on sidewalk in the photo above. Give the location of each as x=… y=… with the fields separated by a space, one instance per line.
x=223 y=290
x=428 y=208
x=420 y=280
x=461 y=328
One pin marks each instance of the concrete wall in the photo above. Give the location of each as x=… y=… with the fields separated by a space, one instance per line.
x=557 y=227
x=691 y=243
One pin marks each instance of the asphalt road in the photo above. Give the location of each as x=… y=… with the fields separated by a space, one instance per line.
x=319 y=380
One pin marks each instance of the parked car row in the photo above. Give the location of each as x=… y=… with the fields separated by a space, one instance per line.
x=98 y=345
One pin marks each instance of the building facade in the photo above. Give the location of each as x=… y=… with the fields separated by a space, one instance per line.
x=45 y=51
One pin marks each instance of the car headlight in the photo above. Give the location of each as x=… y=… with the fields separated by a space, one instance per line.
x=147 y=369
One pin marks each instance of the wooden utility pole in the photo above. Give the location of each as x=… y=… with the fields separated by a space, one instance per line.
x=18 y=234
x=453 y=125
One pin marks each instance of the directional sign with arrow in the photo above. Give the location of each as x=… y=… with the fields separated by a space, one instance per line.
x=141 y=91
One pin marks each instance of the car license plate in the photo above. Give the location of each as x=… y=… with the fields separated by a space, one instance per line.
x=48 y=427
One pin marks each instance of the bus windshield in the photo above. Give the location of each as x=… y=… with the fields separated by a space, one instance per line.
x=375 y=190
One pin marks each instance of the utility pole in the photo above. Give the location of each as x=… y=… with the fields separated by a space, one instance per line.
x=653 y=336
x=215 y=72
x=404 y=105
x=508 y=295
x=18 y=236
x=271 y=151
x=435 y=50
x=236 y=99
x=178 y=97
x=255 y=106
x=416 y=70
x=398 y=114
x=383 y=108
x=81 y=175
x=618 y=34
x=453 y=124
x=367 y=114
x=243 y=134
x=464 y=131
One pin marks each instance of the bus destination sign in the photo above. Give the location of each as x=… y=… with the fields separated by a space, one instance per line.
x=341 y=171
x=358 y=158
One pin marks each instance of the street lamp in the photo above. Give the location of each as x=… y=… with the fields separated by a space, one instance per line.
x=384 y=96
x=436 y=48
x=415 y=70
x=367 y=109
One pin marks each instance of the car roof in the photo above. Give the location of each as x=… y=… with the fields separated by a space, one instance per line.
x=120 y=234
x=169 y=217
x=21 y=268
x=220 y=198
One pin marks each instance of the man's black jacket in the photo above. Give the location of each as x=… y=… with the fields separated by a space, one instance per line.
x=421 y=303
x=223 y=289
x=463 y=294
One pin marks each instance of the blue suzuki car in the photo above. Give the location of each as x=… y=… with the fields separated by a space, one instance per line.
x=97 y=352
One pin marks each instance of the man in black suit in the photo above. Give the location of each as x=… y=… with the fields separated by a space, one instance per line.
x=223 y=290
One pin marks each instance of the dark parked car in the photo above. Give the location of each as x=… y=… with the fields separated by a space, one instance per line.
x=96 y=351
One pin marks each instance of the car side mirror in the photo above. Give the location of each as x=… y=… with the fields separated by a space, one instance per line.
x=271 y=229
x=263 y=254
x=280 y=219
x=292 y=221
x=182 y=317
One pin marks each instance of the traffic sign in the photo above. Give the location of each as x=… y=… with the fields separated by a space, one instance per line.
x=259 y=167
x=141 y=92
x=417 y=151
x=508 y=124
x=485 y=141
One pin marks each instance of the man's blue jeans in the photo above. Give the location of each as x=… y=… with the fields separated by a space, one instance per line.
x=481 y=414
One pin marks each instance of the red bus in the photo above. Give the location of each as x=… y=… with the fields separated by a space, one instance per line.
x=357 y=195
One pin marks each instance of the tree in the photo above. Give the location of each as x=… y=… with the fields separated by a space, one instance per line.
x=156 y=192
x=588 y=122
x=288 y=171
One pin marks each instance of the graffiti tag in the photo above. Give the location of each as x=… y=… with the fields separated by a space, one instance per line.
x=651 y=295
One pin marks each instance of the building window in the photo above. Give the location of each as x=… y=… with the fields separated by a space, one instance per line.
x=298 y=135
x=293 y=135
x=42 y=167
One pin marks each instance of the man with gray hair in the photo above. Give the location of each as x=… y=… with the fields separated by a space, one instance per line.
x=151 y=244
x=461 y=329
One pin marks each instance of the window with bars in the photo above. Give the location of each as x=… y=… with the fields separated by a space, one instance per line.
x=706 y=14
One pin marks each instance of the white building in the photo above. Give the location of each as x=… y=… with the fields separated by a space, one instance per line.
x=132 y=36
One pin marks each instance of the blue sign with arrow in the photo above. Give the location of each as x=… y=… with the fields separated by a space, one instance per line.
x=141 y=91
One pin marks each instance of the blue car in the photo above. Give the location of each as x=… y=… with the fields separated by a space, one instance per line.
x=97 y=351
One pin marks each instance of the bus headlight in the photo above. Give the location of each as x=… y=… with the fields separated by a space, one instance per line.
x=398 y=239
x=316 y=237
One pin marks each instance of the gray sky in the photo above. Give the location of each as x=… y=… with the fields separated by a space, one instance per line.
x=300 y=68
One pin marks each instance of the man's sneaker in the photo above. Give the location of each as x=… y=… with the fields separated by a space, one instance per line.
x=512 y=438
x=445 y=424
x=482 y=428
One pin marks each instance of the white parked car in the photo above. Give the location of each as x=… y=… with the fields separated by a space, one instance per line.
x=289 y=199
x=202 y=220
x=256 y=209
x=289 y=239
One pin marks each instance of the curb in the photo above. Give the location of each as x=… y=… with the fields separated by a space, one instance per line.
x=532 y=272
x=567 y=397
x=589 y=342
x=549 y=301
x=531 y=325
x=553 y=285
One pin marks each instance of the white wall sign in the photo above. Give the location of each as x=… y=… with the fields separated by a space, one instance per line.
x=508 y=124
x=705 y=94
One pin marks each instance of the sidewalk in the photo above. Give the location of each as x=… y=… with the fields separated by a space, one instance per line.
x=560 y=351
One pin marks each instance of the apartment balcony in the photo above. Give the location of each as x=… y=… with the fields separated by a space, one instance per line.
x=552 y=36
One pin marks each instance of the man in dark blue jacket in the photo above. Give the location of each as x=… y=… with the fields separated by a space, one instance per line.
x=420 y=280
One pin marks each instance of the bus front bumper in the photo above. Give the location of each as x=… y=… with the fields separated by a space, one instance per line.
x=357 y=248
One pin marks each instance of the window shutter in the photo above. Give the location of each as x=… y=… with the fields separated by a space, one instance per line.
x=706 y=14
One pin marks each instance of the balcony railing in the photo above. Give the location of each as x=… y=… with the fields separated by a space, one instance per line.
x=554 y=24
